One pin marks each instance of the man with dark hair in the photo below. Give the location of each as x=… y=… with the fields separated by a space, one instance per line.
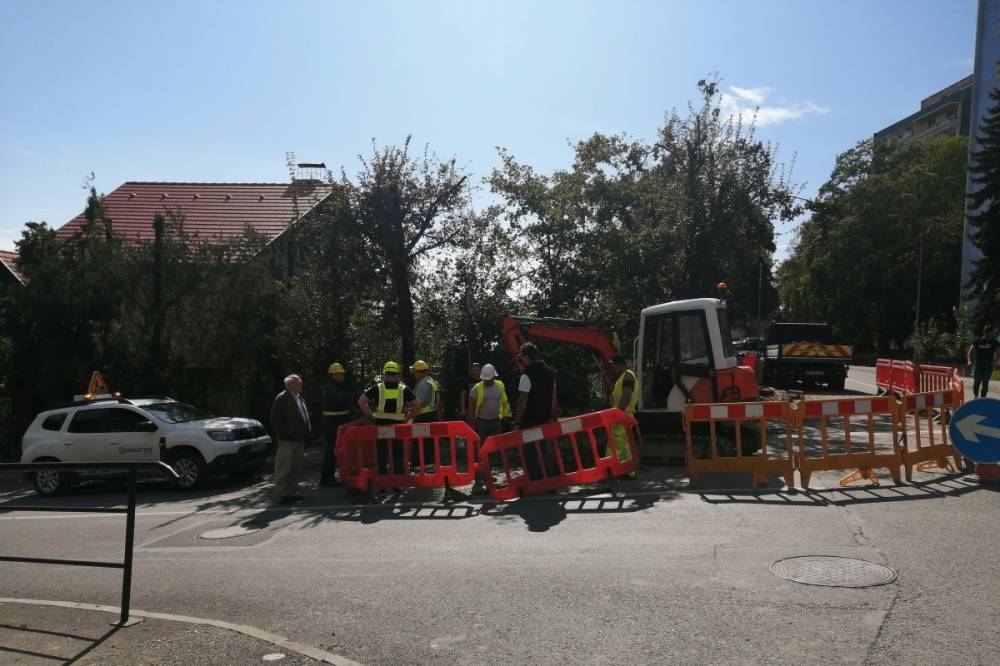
x=536 y=404
x=987 y=357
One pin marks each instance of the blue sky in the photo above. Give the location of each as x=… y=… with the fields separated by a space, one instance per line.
x=220 y=91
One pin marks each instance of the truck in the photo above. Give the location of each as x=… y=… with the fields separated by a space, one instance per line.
x=683 y=354
x=806 y=353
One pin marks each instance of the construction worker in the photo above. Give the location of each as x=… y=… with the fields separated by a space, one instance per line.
x=488 y=404
x=338 y=399
x=428 y=392
x=394 y=403
x=625 y=397
x=537 y=404
x=463 y=399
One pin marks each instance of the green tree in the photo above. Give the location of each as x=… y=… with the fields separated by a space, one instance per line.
x=984 y=280
x=886 y=225
x=407 y=208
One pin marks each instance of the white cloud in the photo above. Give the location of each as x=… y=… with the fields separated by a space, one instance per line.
x=749 y=102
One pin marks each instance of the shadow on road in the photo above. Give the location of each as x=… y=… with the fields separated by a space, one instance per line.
x=92 y=643
x=953 y=485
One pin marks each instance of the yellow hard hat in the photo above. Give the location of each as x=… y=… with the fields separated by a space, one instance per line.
x=335 y=369
x=418 y=366
x=390 y=367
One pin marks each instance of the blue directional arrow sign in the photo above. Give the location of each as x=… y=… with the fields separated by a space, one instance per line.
x=975 y=430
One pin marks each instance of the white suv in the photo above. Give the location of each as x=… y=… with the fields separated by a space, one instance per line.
x=191 y=441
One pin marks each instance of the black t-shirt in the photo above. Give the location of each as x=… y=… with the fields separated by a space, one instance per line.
x=985 y=349
x=390 y=403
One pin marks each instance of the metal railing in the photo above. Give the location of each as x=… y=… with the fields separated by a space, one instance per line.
x=126 y=566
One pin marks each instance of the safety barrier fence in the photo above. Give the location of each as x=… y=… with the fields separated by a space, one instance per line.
x=859 y=434
x=777 y=458
x=749 y=359
x=133 y=468
x=412 y=455
x=585 y=449
x=848 y=414
x=907 y=377
x=926 y=417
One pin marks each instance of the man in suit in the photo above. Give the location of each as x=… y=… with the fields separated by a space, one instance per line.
x=292 y=428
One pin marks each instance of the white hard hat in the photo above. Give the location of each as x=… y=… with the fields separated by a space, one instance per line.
x=488 y=372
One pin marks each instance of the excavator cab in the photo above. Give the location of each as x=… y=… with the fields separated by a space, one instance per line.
x=685 y=354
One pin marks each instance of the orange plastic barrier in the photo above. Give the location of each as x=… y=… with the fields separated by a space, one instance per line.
x=898 y=377
x=759 y=414
x=825 y=411
x=749 y=359
x=940 y=378
x=574 y=451
x=412 y=455
x=921 y=415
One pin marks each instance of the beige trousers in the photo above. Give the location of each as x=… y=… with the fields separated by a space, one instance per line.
x=287 y=465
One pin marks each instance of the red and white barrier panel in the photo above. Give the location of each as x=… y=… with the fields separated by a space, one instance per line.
x=574 y=451
x=412 y=455
x=845 y=407
x=924 y=425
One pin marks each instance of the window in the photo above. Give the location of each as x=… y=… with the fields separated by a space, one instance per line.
x=87 y=421
x=113 y=419
x=54 y=421
x=691 y=330
x=932 y=122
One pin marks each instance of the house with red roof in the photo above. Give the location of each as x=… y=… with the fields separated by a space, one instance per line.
x=212 y=211
x=9 y=274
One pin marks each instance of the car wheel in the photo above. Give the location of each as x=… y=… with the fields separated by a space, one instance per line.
x=49 y=482
x=190 y=469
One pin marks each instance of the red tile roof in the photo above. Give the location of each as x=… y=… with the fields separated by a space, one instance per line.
x=211 y=210
x=9 y=261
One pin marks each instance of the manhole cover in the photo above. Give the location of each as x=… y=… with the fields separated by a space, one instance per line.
x=832 y=571
x=229 y=532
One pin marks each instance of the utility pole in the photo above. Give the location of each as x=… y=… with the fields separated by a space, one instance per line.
x=760 y=274
x=920 y=275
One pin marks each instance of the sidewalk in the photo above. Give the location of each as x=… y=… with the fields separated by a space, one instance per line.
x=31 y=634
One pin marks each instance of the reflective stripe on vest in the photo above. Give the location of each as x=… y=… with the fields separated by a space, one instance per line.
x=384 y=394
x=343 y=413
x=481 y=397
x=616 y=395
x=435 y=387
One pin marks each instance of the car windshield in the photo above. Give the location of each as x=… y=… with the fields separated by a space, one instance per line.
x=176 y=412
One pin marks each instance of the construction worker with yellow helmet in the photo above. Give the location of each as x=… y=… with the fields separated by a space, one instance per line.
x=394 y=403
x=428 y=392
x=339 y=398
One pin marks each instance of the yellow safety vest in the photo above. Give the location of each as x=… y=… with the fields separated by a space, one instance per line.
x=481 y=397
x=616 y=395
x=435 y=387
x=384 y=394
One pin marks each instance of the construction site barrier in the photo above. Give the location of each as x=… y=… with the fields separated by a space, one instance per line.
x=864 y=461
x=924 y=419
x=749 y=359
x=907 y=378
x=758 y=414
x=574 y=451
x=412 y=455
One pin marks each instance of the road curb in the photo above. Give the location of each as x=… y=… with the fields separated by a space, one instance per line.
x=246 y=630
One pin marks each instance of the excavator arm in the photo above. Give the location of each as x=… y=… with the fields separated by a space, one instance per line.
x=589 y=335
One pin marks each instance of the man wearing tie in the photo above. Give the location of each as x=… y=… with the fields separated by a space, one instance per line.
x=292 y=428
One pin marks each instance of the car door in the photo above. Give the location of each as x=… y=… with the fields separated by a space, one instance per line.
x=107 y=434
x=125 y=441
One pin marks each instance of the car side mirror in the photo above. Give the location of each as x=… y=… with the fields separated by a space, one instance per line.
x=145 y=426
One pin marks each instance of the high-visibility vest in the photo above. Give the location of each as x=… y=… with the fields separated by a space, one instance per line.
x=616 y=395
x=481 y=397
x=385 y=393
x=433 y=404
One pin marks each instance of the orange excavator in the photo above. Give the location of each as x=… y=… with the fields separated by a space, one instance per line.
x=684 y=354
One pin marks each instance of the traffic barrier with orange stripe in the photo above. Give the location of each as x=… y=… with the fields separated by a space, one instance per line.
x=574 y=451
x=758 y=413
x=921 y=415
x=864 y=462
x=413 y=455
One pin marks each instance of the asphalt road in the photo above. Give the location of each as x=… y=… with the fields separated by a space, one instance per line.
x=665 y=574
